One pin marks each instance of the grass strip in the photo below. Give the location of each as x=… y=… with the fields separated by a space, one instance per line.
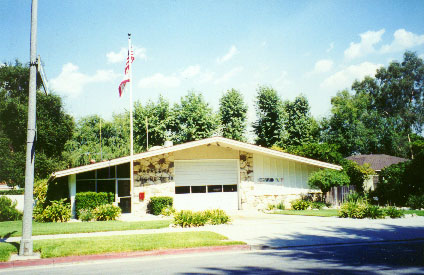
x=127 y=243
x=416 y=212
x=320 y=213
x=6 y=249
x=14 y=228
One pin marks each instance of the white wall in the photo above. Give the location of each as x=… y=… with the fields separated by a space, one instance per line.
x=294 y=175
x=19 y=199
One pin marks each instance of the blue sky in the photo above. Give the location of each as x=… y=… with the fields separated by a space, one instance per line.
x=311 y=47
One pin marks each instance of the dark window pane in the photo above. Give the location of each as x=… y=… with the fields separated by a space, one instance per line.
x=182 y=189
x=198 y=189
x=227 y=188
x=123 y=170
x=125 y=204
x=124 y=187
x=106 y=173
x=86 y=175
x=106 y=186
x=86 y=186
x=214 y=188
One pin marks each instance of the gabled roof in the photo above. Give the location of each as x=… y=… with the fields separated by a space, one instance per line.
x=250 y=148
x=377 y=162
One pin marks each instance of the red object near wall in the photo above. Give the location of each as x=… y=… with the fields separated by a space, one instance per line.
x=141 y=196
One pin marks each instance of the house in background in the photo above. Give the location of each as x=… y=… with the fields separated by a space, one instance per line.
x=205 y=174
x=377 y=163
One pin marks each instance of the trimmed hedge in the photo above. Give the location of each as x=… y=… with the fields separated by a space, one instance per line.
x=12 y=192
x=91 y=200
x=156 y=204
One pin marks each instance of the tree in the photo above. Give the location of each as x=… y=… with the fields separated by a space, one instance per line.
x=325 y=179
x=319 y=151
x=268 y=127
x=298 y=124
x=54 y=126
x=357 y=174
x=192 y=119
x=158 y=116
x=232 y=114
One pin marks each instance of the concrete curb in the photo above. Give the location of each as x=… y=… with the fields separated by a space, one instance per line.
x=120 y=255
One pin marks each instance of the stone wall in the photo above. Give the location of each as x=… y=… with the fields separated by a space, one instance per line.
x=155 y=177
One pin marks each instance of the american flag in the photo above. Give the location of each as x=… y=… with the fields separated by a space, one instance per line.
x=127 y=68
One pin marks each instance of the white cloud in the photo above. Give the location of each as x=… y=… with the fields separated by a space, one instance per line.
x=121 y=56
x=402 y=41
x=323 y=66
x=345 y=77
x=72 y=82
x=421 y=56
x=283 y=82
x=190 y=71
x=233 y=51
x=366 y=46
x=233 y=72
x=159 y=80
x=330 y=47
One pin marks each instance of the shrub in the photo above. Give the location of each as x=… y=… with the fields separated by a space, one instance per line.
x=327 y=178
x=57 y=211
x=168 y=211
x=8 y=211
x=415 y=202
x=86 y=215
x=280 y=206
x=300 y=204
x=393 y=212
x=353 y=197
x=106 y=212
x=91 y=200
x=374 y=212
x=12 y=192
x=156 y=204
x=217 y=216
x=188 y=218
x=356 y=210
x=318 y=205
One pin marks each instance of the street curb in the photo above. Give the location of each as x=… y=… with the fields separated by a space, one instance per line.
x=120 y=255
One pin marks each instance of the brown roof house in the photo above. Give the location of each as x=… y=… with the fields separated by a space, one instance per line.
x=377 y=163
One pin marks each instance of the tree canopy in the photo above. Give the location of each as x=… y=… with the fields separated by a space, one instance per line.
x=233 y=115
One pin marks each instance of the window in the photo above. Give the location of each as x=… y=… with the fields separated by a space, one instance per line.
x=123 y=170
x=182 y=189
x=86 y=186
x=86 y=175
x=198 y=189
x=106 y=186
x=214 y=188
x=106 y=173
x=230 y=188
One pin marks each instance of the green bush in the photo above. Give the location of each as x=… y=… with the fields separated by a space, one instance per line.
x=168 y=211
x=280 y=206
x=57 y=211
x=300 y=204
x=415 y=202
x=353 y=197
x=374 y=212
x=318 y=205
x=327 y=178
x=12 y=192
x=91 y=200
x=156 y=204
x=86 y=215
x=8 y=211
x=188 y=218
x=393 y=212
x=217 y=216
x=355 y=210
x=106 y=212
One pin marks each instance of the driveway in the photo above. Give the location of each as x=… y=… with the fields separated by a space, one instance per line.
x=277 y=231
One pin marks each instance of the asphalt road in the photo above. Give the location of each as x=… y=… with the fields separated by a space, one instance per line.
x=376 y=258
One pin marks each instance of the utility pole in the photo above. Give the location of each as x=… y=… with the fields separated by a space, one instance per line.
x=25 y=248
x=147 y=134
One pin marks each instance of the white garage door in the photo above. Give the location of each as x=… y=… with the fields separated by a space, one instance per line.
x=206 y=184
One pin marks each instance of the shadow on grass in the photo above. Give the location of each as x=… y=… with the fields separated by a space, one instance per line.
x=6 y=236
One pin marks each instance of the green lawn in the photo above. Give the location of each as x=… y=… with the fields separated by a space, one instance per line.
x=126 y=243
x=5 y=250
x=320 y=213
x=416 y=212
x=13 y=229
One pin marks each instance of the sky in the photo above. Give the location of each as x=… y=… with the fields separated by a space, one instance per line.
x=314 y=48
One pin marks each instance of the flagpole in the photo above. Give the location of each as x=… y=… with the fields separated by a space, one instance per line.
x=131 y=122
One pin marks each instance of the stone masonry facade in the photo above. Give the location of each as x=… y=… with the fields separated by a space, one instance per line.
x=155 y=177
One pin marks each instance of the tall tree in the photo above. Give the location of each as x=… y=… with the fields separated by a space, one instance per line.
x=158 y=117
x=298 y=123
x=54 y=126
x=268 y=126
x=232 y=115
x=192 y=119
